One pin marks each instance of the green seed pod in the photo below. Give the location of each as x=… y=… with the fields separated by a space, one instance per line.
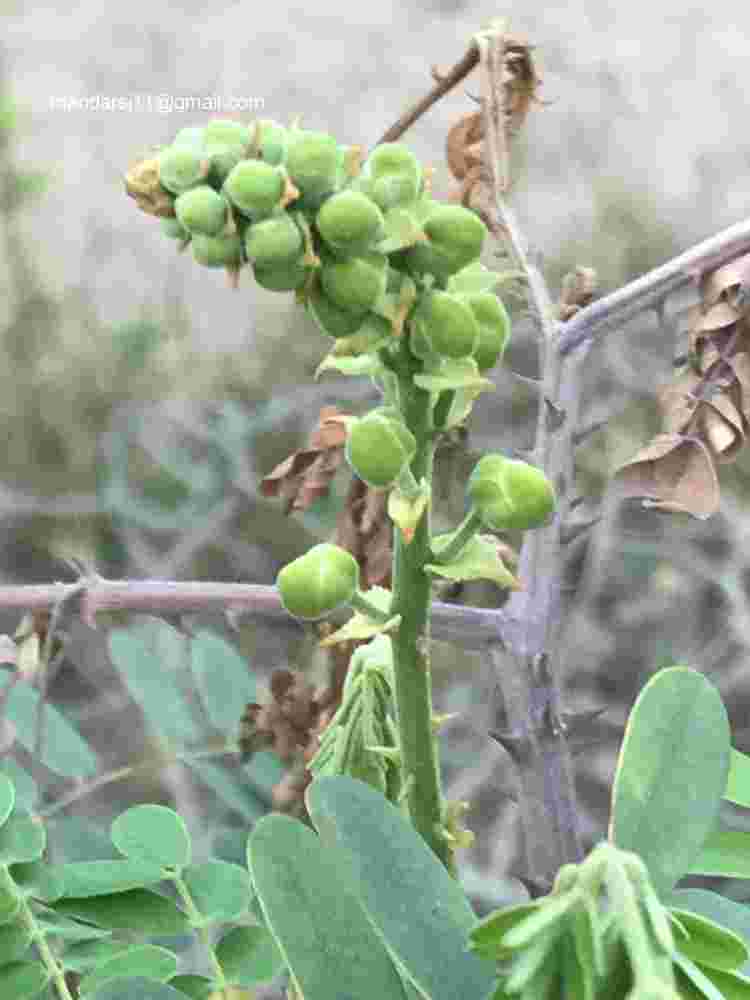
x=273 y=242
x=378 y=447
x=202 y=210
x=218 y=251
x=272 y=141
x=312 y=163
x=191 y=136
x=350 y=223
x=285 y=277
x=454 y=239
x=255 y=188
x=394 y=174
x=355 y=283
x=509 y=494
x=330 y=318
x=222 y=160
x=494 y=328
x=444 y=325
x=318 y=582
x=174 y=229
x=225 y=132
x=181 y=168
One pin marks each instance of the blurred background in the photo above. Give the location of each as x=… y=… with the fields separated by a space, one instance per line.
x=142 y=400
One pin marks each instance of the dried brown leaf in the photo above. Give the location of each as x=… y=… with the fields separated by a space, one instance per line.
x=676 y=472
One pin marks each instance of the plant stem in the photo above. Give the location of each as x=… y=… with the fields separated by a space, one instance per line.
x=411 y=599
x=360 y=602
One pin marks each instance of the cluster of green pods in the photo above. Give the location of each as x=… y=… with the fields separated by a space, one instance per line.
x=363 y=244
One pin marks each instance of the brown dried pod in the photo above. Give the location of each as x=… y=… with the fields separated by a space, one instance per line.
x=142 y=183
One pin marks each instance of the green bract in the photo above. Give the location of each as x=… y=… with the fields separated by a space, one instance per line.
x=202 y=210
x=350 y=223
x=494 y=328
x=174 y=229
x=378 y=447
x=509 y=494
x=318 y=582
x=181 y=167
x=255 y=188
x=354 y=283
x=218 y=251
x=393 y=175
x=312 y=164
x=444 y=325
x=454 y=239
x=273 y=242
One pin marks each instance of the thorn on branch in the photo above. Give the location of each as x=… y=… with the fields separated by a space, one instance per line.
x=570 y=532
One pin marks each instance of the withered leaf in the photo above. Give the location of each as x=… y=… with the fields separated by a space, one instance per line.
x=677 y=472
x=724 y=281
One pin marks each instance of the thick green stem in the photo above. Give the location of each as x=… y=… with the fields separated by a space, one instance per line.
x=411 y=642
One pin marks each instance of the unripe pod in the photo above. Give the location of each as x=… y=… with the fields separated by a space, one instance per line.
x=350 y=223
x=202 y=210
x=318 y=582
x=225 y=132
x=378 y=447
x=181 y=168
x=285 y=277
x=273 y=242
x=273 y=140
x=218 y=251
x=174 y=229
x=355 y=283
x=222 y=159
x=191 y=135
x=445 y=325
x=509 y=494
x=454 y=239
x=494 y=328
x=394 y=175
x=255 y=188
x=330 y=318
x=312 y=163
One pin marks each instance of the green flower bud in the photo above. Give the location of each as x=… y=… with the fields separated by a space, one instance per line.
x=181 y=168
x=191 y=136
x=454 y=239
x=445 y=325
x=394 y=174
x=286 y=277
x=202 y=210
x=354 y=283
x=350 y=223
x=378 y=447
x=174 y=229
x=225 y=132
x=312 y=161
x=509 y=494
x=218 y=251
x=331 y=319
x=494 y=328
x=318 y=582
x=255 y=188
x=273 y=242
x=272 y=141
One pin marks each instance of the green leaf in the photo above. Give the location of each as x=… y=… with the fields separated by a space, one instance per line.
x=721 y=910
x=83 y=956
x=153 y=834
x=671 y=773
x=697 y=977
x=485 y=937
x=709 y=943
x=220 y=890
x=15 y=939
x=473 y=279
x=25 y=788
x=420 y=911
x=552 y=912
x=460 y=374
x=21 y=838
x=724 y=852
x=7 y=797
x=144 y=960
x=195 y=987
x=222 y=677
x=738 y=779
x=22 y=979
x=236 y=793
x=731 y=985
x=312 y=912
x=83 y=879
x=135 y=909
x=135 y=988
x=477 y=560
x=249 y=955
x=38 y=879
x=363 y=364
x=64 y=751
